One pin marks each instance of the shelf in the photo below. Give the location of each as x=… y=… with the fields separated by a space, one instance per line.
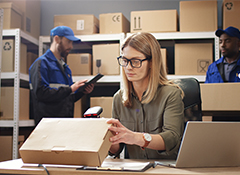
x=105 y=79
x=12 y=75
x=22 y=123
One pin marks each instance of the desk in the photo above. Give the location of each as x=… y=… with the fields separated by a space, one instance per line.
x=15 y=167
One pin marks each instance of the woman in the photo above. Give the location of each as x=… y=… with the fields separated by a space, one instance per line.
x=148 y=111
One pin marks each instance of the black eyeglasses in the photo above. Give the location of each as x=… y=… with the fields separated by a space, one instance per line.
x=136 y=63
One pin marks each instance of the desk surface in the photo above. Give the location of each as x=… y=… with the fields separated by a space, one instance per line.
x=16 y=167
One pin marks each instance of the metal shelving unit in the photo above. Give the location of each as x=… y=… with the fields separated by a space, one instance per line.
x=189 y=36
x=16 y=76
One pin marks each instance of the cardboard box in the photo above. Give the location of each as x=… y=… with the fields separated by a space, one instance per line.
x=8 y=59
x=107 y=55
x=7 y=100
x=31 y=17
x=154 y=21
x=193 y=59
x=31 y=57
x=80 y=24
x=105 y=103
x=164 y=56
x=198 y=16
x=80 y=107
x=215 y=98
x=231 y=11
x=69 y=141
x=12 y=16
x=80 y=63
x=113 y=23
x=6 y=147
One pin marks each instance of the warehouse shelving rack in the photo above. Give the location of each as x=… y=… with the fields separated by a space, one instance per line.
x=19 y=36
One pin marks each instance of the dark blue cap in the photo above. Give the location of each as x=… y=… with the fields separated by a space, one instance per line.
x=230 y=31
x=64 y=31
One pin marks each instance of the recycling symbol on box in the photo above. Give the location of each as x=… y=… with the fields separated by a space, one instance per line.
x=7 y=46
x=229 y=5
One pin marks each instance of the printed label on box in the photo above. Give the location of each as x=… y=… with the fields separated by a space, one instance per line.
x=202 y=65
x=84 y=60
x=137 y=23
x=116 y=18
x=80 y=24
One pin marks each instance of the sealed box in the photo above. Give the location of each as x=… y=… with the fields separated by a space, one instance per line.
x=105 y=59
x=8 y=59
x=105 y=103
x=68 y=141
x=231 y=9
x=113 y=23
x=193 y=59
x=12 y=16
x=7 y=100
x=80 y=24
x=214 y=97
x=154 y=21
x=31 y=15
x=80 y=63
x=198 y=16
x=6 y=146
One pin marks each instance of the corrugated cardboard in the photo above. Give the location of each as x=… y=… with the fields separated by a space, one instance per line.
x=113 y=23
x=69 y=141
x=8 y=53
x=80 y=107
x=220 y=96
x=107 y=54
x=31 y=57
x=105 y=103
x=80 y=24
x=154 y=21
x=12 y=16
x=7 y=100
x=6 y=147
x=198 y=16
x=80 y=63
x=231 y=11
x=164 y=56
x=193 y=59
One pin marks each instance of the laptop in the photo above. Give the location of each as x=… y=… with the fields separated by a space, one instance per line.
x=208 y=144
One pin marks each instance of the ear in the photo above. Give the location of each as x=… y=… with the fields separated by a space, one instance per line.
x=56 y=39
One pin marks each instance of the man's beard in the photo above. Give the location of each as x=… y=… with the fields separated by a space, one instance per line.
x=63 y=52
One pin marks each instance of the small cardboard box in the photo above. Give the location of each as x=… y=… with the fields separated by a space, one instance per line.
x=31 y=57
x=6 y=147
x=68 y=141
x=105 y=56
x=231 y=9
x=164 y=56
x=80 y=24
x=80 y=63
x=113 y=23
x=214 y=97
x=198 y=16
x=12 y=16
x=80 y=107
x=193 y=59
x=154 y=21
x=7 y=100
x=8 y=58
x=105 y=103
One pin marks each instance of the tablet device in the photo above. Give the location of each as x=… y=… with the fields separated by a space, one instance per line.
x=92 y=81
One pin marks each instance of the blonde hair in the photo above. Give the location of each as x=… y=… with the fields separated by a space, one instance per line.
x=147 y=44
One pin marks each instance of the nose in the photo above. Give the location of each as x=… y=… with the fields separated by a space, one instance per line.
x=129 y=66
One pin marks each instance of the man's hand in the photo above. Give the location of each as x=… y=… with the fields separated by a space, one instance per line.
x=78 y=84
x=88 y=89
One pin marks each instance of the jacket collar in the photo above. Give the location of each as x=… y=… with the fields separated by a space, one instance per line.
x=222 y=58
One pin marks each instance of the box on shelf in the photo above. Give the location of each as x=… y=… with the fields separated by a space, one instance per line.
x=231 y=9
x=198 y=16
x=80 y=107
x=7 y=100
x=105 y=59
x=193 y=59
x=80 y=63
x=113 y=23
x=12 y=16
x=164 y=56
x=31 y=57
x=68 y=141
x=80 y=24
x=6 y=146
x=31 y=15
x=8 y=52
x=154 y=21
x=215 y=98
x=105 y=103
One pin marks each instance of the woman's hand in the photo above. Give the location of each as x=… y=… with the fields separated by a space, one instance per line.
x=121 y=133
